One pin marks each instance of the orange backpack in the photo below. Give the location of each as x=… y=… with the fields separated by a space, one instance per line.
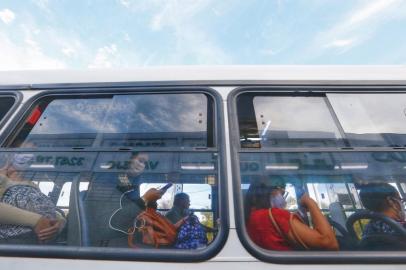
x=156 y=229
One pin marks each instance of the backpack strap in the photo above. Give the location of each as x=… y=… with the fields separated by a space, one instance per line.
x=276 y=226
x=294 y=233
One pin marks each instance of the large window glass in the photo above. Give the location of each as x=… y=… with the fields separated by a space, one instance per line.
x=294 y=121
x=149 y=120
x=287 y=121
x=143 y=198
x=371 y=119
x=332 y=120
x=324 y=190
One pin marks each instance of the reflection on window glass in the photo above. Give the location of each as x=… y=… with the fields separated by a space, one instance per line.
x=360 y=185
x=46 y=187
x=154 y=120
x=371 y=119
x=63 y=200
x=291 y=122
x=78 y=115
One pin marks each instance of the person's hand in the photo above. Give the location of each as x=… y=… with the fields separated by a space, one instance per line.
x=152 y=194
x=46 y=229
x=305 y=200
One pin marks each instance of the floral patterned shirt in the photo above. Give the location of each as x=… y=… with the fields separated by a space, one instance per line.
x=28 y=198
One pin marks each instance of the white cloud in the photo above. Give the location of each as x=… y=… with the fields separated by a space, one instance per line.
x=372 y=9
x=340 y=43
x=42 y=4
x=105 y=57
x=125 y=3
x=127 y=37
x=69 y=52
x=174 y=13
x=356 y=27
x=270 y=52
x=27 y=55
x=178 y=18
x=7 y=16
x=192 y=43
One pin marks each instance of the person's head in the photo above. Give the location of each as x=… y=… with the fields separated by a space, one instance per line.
x=182 y=201
x=137 y=163
x=265 y=194
x=382 y=198
x=16 y=163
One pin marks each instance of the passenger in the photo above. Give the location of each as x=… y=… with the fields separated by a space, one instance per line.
x=265 y=202
x=191 y=233
x=26 y=214
x=382 y=198
x=131 y=203
x=180 y=208
x=128 y=181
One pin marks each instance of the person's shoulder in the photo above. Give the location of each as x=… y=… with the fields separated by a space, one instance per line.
x=170 y=212
x=260 y=212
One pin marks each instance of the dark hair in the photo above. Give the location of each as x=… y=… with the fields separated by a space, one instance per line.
x=373 y=196
x=180 y=197
x=257 y=197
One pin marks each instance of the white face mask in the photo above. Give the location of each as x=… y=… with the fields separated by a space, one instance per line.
x=136 y=168
x=278 y=201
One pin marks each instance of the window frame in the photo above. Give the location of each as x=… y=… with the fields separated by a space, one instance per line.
x=103 y=89
x=302 y=257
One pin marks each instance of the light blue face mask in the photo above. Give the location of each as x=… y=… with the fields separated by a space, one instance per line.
x=278 y=201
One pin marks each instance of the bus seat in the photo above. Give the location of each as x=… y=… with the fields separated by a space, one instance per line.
x=78 y=230
x=338 y=219
x=378 y=241
x=337 y=214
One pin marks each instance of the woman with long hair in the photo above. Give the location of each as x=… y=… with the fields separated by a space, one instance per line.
x=271 y=226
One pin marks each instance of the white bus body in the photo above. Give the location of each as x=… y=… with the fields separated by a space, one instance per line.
x=222 y=80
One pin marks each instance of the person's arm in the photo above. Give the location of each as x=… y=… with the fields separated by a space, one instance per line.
x=13 y=215
x=322 y=236
x=150 y=195
x=44 y=228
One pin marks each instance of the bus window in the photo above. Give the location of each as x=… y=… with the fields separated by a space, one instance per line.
x=46 y=187
x=143 y=141
x=64 y=196
x=294 y=145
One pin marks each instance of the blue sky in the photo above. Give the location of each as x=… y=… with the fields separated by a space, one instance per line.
x=82 y=34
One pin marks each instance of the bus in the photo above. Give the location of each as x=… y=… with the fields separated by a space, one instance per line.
x=211 y=132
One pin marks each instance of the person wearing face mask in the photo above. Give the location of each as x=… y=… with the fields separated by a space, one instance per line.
x=26 y=214
x=272 y=227
x=382 y=198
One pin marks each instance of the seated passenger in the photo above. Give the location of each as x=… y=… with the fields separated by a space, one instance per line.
x=272 y=227
x=39 y=222
x=180 y=208
x=382 y=198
